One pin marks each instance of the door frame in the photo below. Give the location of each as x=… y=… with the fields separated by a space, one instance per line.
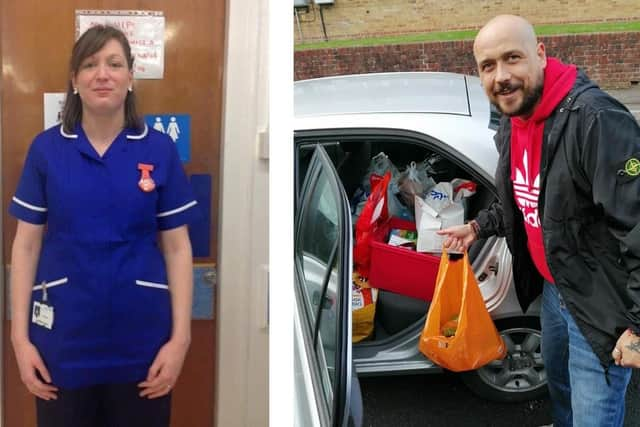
x=2 y=264
x=242 y=387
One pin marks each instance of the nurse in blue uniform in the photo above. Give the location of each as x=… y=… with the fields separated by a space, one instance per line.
x=101 y=265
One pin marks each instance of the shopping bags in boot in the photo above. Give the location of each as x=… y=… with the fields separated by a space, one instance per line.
x=459 y=333
x=374 y=213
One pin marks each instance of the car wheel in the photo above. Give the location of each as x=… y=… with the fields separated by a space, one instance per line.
x=520 y=376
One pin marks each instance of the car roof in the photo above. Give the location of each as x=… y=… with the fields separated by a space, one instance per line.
x=451 y=108
x=444 y=93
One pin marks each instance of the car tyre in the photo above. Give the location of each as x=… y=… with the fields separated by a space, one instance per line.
x=520 y=376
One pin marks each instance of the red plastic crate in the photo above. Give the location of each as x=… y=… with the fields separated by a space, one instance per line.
x=401 y=270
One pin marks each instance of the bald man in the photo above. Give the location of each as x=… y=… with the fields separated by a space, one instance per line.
x=568 y=185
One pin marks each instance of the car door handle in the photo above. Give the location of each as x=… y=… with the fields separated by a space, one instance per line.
x=491 y=268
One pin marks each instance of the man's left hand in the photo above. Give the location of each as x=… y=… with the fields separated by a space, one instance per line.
x=627 y=350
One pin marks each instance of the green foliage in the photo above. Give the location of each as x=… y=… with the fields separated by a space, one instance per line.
x=541 y=30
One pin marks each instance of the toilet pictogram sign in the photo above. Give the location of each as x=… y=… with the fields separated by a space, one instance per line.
x=177 y=127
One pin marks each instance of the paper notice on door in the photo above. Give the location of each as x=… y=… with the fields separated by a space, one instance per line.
x=143 y=28
x=53 y=105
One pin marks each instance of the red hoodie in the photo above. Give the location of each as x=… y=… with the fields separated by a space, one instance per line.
x=526 y=152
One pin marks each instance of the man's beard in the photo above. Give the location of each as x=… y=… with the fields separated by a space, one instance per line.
x=528 y=103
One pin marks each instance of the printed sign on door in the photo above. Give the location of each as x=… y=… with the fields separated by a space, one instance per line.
x=178 y=127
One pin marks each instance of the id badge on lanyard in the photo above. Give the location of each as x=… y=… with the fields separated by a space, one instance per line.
x=42 y=314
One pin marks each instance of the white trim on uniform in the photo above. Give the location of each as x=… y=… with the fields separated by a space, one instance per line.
x=151 y=284
x=142 y=135
x=28 y=205
x=75 y=136
x=67 y=135
x=177 y=210
x=51 y=284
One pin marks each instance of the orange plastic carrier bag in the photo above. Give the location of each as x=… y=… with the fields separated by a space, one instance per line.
x=459 y=333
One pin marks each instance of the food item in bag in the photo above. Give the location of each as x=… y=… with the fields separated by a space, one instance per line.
x=363 y=308
x=450 y=327
x=404 y=238
x=449 y=331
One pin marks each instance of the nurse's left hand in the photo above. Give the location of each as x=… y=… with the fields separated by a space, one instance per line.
x=165 y=370
x=627 y=350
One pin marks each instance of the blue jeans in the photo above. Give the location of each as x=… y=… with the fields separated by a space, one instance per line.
x=580 y=395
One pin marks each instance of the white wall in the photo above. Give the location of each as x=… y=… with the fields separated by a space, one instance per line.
x=242 y=288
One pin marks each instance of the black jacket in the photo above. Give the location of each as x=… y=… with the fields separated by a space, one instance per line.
x=589 y=207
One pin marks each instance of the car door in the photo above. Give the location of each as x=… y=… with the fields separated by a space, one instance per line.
x=326 y=393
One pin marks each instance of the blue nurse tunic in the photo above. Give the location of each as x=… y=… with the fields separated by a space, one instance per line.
x=100 y=265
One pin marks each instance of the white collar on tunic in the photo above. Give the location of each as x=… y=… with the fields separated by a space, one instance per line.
x=144 y=133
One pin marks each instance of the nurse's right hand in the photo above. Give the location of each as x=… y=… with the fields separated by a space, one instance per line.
x=33 y=371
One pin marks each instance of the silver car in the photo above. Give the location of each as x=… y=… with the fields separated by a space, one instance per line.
x=340 y=124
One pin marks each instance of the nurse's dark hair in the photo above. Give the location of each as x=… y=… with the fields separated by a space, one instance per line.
x=88 y=44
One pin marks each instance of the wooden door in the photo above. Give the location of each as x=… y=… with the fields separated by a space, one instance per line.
x=36 y=40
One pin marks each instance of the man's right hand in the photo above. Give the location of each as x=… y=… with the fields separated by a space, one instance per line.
x=459 y=237
x=30 y=362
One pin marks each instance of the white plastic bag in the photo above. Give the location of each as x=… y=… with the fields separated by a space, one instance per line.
x=379 y=165
x=441 y=208
x=413 y=181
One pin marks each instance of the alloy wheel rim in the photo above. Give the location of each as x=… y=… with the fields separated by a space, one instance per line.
x=522 y=369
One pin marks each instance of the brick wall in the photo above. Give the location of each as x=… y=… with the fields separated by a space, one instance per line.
x=612 y=59
x=348 y=19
